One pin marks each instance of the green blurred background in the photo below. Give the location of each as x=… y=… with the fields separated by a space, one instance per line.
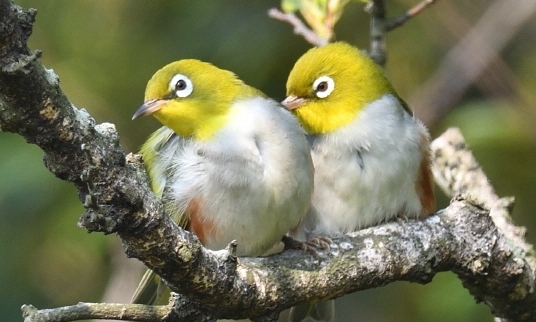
x=104 y=53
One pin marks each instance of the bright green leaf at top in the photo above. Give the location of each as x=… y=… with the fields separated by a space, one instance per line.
x=290 y=5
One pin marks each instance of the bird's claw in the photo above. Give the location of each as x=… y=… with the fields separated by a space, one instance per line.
x=320 y=242
x=311 y=246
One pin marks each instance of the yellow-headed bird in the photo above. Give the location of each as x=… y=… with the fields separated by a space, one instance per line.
x=229 y=163
x=371 y=155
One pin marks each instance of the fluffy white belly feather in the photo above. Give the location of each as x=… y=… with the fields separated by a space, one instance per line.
x=251 y=183
x=365 y=173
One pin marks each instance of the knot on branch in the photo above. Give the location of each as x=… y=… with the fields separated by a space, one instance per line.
x=15 y=30
x=93 y=221
x=28 y=313
x=22 y=64
x=26 y=19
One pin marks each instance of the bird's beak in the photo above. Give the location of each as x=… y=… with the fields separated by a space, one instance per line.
x=292 y=102
x=149 y=107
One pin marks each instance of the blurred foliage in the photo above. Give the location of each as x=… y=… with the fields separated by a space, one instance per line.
x=105 y=51
x=320 y=15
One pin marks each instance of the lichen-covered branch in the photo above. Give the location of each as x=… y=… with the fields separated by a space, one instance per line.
x=456 y=171
x=462 y=238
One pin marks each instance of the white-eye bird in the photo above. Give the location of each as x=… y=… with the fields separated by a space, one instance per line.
x=371 y=155
x=229 y=163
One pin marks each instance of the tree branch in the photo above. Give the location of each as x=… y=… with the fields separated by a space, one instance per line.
x=380 y=25
x=402 y=19
x=456 y=171
x=300 y=28
x=113 y=187
x=378 y=31
x=87 y=311
x=461 y=238
x=178 y=309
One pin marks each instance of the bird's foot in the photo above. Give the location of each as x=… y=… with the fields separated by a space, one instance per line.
x=320 y=242
x=311 y=246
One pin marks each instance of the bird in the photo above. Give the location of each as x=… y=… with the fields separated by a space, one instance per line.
x=370 y=153
x=229 y=163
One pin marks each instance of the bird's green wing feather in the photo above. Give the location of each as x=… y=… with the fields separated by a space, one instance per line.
x=146 y=291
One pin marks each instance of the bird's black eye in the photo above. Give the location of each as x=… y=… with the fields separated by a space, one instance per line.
x=181 y=85
x=323 y=86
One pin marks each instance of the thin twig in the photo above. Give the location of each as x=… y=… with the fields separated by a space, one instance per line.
x=107 y=311
x=299 y=26
x=378 y=33
x=400 y=20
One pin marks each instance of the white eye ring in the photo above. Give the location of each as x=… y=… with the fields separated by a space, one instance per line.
x=181 y=85
x=323 y=86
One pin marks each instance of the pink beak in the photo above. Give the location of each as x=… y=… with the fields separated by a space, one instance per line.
x=292 y=102
x=149 y=107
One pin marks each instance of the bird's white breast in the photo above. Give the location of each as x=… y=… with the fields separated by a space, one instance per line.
x=254 y=177
x=365 y=173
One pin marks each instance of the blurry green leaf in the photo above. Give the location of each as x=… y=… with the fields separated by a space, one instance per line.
x=320 y=3
x=290 y=5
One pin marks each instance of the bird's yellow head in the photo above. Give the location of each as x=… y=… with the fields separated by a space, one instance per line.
x=330 y=85
x=193 y=98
